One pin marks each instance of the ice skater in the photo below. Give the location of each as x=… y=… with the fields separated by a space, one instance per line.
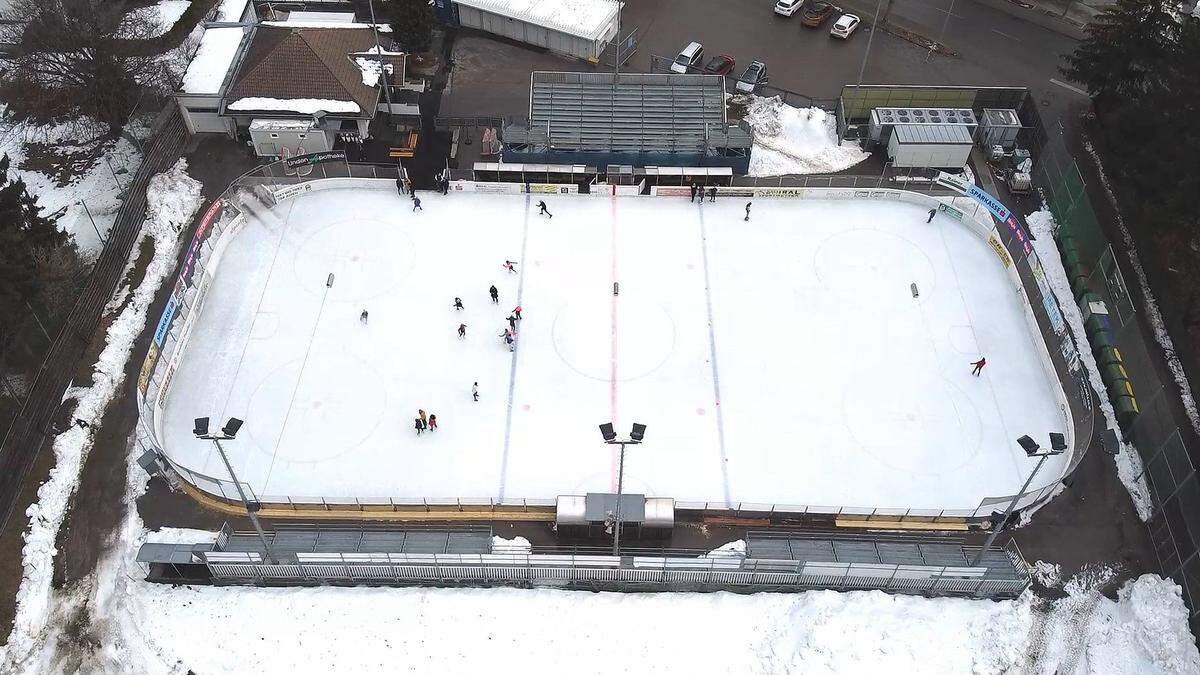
x=747 y=218
x=932 y=213
x=462 y=331
x=512 y=322
x=363 y=317
x=694 y=194
x=400 y=186
x=432 y=422
x=495 y=295
x=458 y=303
x=712 y=193
x=419 y=425
x=511 y=266
x=978 y=366
x=475 y=391
x=417 y=203
x=517 y=312
x=510 y=341
x=543 y=211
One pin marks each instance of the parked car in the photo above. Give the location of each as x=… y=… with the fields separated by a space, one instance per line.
x=689 y=57
x=816 y=14
x=719 y=65
x=845 y=25
x=754 y=75
x=788 y=7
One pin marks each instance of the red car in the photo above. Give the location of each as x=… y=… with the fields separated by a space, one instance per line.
x=719 y=65
x=816 y=14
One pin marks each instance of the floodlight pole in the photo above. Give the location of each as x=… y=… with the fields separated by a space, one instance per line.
x=620 y=485
x=1011 y=505
x=262 y=536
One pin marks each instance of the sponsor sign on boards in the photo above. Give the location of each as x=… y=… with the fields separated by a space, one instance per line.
x=315 y=158
x=164 y=321
x=147 y=369
x=292 y=191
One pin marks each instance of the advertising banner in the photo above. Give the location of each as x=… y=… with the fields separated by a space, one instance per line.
x=203 y=229
x=292 y=190
x=999 y=211
x=147 y=369
x=164 y=321
x=316 y=158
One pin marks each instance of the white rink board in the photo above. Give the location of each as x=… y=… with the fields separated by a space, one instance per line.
x=831 y=384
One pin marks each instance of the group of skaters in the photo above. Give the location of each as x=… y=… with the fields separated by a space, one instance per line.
x=405 y=187
x=423 y=423
x=700 y=192
x=509 y=334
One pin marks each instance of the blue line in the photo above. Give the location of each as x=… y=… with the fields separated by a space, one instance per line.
x=712 y=346
x=512 y=373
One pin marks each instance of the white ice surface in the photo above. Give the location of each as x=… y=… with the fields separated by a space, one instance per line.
x=835 y=386
x=207 y=70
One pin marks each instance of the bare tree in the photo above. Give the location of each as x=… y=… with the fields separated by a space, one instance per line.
x=74 y=62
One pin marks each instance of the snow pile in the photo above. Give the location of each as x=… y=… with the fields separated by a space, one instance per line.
x=231 y=10
x=1047 y=575
x=207 y=70
x=791 y=140
x=514 y=546
x=1152 y=312
x=300 y=105
x=575 y=17
x=1129 y=463
x=734 y=549
x=173 y=196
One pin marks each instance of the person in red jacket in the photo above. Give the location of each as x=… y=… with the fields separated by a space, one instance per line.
x=978 y=366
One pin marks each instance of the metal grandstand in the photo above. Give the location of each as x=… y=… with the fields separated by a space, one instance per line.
x=640 y=119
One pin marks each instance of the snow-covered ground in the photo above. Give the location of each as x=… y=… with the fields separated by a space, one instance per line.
x=171 y=197
x=791 y=140
x=1129 y=463
x=162 y=15
x=835 y=386
x=99 y=187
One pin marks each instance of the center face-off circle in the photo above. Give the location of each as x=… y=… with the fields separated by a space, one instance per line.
x=583 y=338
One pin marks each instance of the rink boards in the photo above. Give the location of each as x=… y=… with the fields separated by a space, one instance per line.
x=781 y=362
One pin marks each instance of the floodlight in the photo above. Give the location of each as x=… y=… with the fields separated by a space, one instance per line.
x=606 y=430
x=639 y=432
x=231 y=427
x=1029 y=445
x=1058 y=442
x=201 y=426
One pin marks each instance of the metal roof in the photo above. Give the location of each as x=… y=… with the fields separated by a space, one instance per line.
x=353 y=540
x=640 y=113
x=932 y=134
x=587 y=19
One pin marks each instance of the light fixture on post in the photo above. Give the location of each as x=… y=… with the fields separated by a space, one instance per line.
x=636 y=434
x=1058 y=445
x=228 y=433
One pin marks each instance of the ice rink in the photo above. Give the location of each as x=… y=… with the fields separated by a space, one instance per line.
x=778 y=361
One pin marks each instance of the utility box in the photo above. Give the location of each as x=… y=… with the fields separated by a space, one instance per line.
x=279 y=138
x=999 y=126
x=935 y=146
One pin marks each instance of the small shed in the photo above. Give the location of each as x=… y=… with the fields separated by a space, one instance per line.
x=936 y=146
x=581 y=28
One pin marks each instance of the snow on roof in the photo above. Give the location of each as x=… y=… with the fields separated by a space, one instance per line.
x=584 y=18
x=382 y=27
x=321 y=17
x=207 y=70
x=231 y=10
x=370 y=69
x=162 y=16
x=306 y=106
x=259 y=125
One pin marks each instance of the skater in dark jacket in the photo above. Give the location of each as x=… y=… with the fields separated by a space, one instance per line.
x=543 y=211
x=400 y=186
x=932 y=213
x=363 y=317
x=495 y=295
x=458 y=303
x=978 y=366
x=418 y=425
x=512 y=322
x=747 y=211
x=712 y=193
x=462 y=331
x=694 y=193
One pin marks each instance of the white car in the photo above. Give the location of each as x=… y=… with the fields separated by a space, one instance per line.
x=689 y=58
x=846 y=25
x=788 y=7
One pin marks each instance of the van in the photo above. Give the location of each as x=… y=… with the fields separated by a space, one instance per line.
x=688 y=59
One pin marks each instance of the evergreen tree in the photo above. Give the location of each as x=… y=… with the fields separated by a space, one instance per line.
x=1126 y=51
x=24 y=234
x=412 y=24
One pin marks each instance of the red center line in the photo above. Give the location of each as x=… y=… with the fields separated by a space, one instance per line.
x=613 y=372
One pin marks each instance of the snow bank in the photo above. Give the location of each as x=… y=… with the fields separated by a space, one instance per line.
x=576 y=17
x=231 y=10
x=370 y=69
x=162 y=15
x=300 y=105
x=207 y=70
x=791 y=140
x=1129 y=463
x=172 y=197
